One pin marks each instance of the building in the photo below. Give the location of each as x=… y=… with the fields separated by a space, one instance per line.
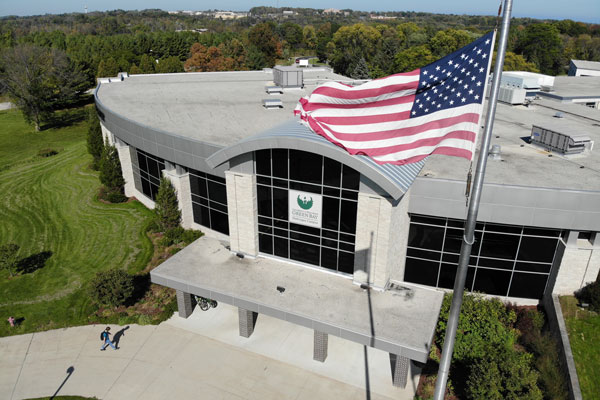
x=584 y=68
x=299 y=230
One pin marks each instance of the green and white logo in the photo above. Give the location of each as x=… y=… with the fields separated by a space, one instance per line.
x=305 y=208
x=304 y=203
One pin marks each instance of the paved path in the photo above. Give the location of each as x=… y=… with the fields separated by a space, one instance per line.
x=180 y=359
x=6 y=105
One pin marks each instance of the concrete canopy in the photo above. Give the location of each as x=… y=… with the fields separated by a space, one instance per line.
x=393 y=179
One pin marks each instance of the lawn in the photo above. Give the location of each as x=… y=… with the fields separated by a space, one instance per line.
x=584 y=334
x=48 y=207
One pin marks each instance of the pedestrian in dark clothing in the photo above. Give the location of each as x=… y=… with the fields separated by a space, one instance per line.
x=105 y=337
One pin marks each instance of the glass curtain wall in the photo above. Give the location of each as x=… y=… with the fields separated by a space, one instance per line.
x=332 y=245
x=506 y=260
x=147 y=172
x=209 y=201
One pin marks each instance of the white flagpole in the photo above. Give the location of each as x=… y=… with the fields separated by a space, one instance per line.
x=468 y=238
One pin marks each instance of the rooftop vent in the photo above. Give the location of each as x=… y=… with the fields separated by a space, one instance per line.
x=274 y=89
x=272 y=103
x=559 y=115
x=288 y=77
x=560 y=142
x=495 y=152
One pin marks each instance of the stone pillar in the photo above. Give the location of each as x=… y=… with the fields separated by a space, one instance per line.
x=181 y=182
x=578 y=267
x=107 y=135
x=400 y=372
x=382 y=226
x=185 y=304
x=247 y=320
x=320 y=346
x=126 y=153
x=243 y=212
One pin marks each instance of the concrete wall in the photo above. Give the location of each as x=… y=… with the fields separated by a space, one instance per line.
x=579 y=266
x=381 y=232
x=242 y=210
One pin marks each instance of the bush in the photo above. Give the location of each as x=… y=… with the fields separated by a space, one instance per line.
x=112 y=288
x=503 y=374
x=152 y=226
x=47 y=152
x=115 y=197
x=590 y=294
x=189 y=235
x=144 y=319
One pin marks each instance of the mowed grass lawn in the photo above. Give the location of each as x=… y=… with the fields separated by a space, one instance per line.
x=584 y=335
x=48 y=207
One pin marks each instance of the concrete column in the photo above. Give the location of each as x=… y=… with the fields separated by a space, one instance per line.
x=125 y=157
x=400 y=371
x=578 y=267
x=243 y=212
x=247 y=320
x=320 y=346
x=181 y=182
x=382 y=226
x=185 y=304
x=107 y=135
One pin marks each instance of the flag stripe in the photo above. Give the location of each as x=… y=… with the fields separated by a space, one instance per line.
x=401 y=98
x=360 y=94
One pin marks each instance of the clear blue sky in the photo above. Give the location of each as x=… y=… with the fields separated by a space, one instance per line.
x=579 y=10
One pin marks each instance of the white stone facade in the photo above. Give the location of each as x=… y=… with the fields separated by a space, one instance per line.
x=242 y=208
x=579 y=266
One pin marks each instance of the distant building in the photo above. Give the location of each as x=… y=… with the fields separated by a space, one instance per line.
x=230 y=15
x=381 y=17
x=584 y=68
x=332 y=11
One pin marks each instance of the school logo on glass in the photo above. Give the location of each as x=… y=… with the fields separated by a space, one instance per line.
x=305 y=208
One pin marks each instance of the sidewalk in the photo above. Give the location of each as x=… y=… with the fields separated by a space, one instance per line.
x=201 y=357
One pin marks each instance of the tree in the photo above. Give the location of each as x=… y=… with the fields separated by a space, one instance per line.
x=111 y=175
x=542 y=45
x=39 y=81
x=264 y=39
x=95 y=143
x=360 y=70
x=350 y=44
x=167 y=207
x=107 y=68
x=310 y=37
x=8 y=257
x=112 y=288
x=413 y=58
x=169 y=65
x=516 y=62
x=147 y=64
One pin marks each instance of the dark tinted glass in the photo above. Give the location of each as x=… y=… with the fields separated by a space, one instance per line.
x=421 y=271
x=426 y=254
x=303 y=252
x=533 y=267
x=427 y=220
x=350 y=178
x=541 y=232
x=217 y=192
x=494 y=263
x=350 y=195
x=450 y=258
x=142 y=162
x=346 y=262
x=280 y=203
x=219 y=222
x=331 y=209
x=280 y=163
x=447 y=276
x=528 y=285
x=537 y=249
x=427 y=237
x=492 y=281
x=263 y=162
x=305 y=187
x=332 y=172
x=329 y=258
x=264 y=200
x=280 y=247
x=499 y=246
x=305 y=167
x=348 y=217
x=304 y=238
x=265 y=243
x=503 y=228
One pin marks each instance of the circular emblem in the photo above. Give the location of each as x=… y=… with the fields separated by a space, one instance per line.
x=304 y=203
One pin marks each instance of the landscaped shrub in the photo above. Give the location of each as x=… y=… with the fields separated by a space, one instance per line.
x=503 y=374
x=167 y=206
x=483 y=324
x=113 y=287
x=590 y=294
x=189 y=235
x=47 y=152
x=115 y=197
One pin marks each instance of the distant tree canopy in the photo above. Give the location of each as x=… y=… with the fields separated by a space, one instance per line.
x=40 y=80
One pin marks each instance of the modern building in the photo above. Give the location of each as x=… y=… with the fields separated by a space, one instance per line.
x=299 y=230
x=584 y=68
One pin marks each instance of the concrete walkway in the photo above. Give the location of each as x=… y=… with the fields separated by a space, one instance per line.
x=6 y=105
x=201 y=357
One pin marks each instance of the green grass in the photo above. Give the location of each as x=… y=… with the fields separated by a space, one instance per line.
x=49 y=205
x=584 y=334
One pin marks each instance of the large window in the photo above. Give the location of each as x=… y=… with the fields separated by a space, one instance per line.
x=506 y=260
x=332 y=245
x=147 y=172
x=209 y=201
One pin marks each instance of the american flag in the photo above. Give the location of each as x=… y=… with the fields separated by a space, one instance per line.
x=404 y=118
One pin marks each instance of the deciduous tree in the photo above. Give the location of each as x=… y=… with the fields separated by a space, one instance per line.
x=8 y=257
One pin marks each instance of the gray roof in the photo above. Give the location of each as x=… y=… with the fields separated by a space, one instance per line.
x=583 y=64
x=394 y=179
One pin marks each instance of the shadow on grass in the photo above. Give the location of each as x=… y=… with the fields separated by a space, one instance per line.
x=141 y=284
x=33 y=262
x=64 y=118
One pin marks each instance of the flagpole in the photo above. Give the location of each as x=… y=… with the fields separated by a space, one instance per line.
x=468 y=238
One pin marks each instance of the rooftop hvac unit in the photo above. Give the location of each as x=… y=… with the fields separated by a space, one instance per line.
x=560 y=142
x=272 y=103
x=512 y=95
x=288 y=77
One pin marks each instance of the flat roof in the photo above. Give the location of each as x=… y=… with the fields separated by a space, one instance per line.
x=576 y=87
x=594 y=65
x=400 y=321
x=223 y=108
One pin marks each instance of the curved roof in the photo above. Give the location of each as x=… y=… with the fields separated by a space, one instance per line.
x=394 y=179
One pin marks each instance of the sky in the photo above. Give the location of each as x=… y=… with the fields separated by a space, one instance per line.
x=579 y=10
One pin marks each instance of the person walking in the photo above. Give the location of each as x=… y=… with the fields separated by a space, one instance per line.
x=105 y=336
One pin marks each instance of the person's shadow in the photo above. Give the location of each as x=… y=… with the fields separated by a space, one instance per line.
x=118 y=335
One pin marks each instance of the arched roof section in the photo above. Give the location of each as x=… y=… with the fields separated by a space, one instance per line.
x=393 y=179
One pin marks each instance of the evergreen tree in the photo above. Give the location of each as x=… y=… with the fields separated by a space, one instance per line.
x=167 y=206
x=361 y=70
x=107 y=68
x=95 y=144
x=111 y=175
x=146 y=64
x=169 y=65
